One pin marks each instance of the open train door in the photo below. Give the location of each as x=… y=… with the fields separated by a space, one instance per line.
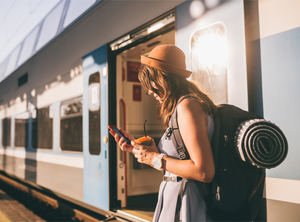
x=95 y=132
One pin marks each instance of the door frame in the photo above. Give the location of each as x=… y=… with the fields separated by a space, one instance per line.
x=112 y=91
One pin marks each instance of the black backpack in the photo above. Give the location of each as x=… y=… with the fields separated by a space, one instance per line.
x=237 y=188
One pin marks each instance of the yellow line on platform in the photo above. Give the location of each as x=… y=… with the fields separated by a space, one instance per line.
x=4 y=218
x=140 y=214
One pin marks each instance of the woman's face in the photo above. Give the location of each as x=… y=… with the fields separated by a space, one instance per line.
x=150 y=92
x=156 y=96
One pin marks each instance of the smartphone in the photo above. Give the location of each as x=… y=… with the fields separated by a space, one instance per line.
x=117 y=131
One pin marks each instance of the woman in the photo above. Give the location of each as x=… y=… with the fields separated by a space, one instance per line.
x=163 y=75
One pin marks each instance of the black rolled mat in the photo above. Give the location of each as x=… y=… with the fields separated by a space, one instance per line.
x=261 y=143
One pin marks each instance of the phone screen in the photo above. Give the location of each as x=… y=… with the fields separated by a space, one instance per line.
x=117 y=131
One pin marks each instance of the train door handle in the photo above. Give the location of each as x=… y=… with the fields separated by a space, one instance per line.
x=105 y=139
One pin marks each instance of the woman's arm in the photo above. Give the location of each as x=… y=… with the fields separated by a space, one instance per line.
x=192 y=121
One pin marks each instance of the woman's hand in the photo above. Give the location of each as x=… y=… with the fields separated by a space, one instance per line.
x=120 y=140
x=145 y=154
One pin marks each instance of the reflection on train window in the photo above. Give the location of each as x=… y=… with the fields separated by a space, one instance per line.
x=21 y=130
x=28 y=45
x=94 y=114
x=76 y=8
x=209 y=61
x=6 y=132
x=42 y=129
x=13 y=60
x=71 y=125
x=3 y=66
x=50 y=25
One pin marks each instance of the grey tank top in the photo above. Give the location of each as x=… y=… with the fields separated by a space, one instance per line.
x=193 y=205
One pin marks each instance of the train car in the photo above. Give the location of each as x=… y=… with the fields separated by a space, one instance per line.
x=55 y=107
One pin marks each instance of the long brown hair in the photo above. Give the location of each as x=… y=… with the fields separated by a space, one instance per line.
x=170 y=87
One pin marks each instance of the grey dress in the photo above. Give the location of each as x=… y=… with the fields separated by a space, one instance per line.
x=193 y=207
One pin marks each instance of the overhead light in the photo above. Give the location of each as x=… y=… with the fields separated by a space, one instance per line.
x=115 y=44
x=158 y=25
x=211 y=3
x=141 y=33
x=197 y=8
x=155 y=27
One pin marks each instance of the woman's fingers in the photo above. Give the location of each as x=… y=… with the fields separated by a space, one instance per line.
x=136 y=150
x=124 y=146
x=140 y=155
x=121 y=141
x=140 y=158
x=117 y=137
x=111 y=132
x=136 y=145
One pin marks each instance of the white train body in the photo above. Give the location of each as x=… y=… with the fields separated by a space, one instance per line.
x=56 y=106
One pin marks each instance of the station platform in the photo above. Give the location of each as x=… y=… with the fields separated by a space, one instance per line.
x=13 y=211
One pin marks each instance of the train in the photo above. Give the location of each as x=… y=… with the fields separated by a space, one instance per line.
x=57 y=103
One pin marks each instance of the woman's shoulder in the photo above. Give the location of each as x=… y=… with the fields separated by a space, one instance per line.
x=187 y=97
x=189 y=104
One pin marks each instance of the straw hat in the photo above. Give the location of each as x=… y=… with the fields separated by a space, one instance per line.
x=168 y=58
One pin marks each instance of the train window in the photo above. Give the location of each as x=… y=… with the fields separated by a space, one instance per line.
x=71 y=125
x=50 y=25
x=6 y=132
x=21 y=130
x=209 y=61
x=76 y=8
x=94 y=114
x=42 y=129
x=22 y=80
x=28 y=45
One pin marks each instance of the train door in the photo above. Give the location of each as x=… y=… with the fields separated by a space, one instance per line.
x=138 y=114
x=95 y=133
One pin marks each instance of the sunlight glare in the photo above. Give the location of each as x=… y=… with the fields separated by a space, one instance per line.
x=209 y=50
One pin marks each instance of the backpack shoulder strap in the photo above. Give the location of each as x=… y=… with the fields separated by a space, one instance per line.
x=174 y=132
x=176 y=137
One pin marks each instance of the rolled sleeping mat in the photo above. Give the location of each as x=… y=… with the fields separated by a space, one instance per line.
x=261 y=143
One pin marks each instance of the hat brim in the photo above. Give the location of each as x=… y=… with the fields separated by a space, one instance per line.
x=158 y=64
